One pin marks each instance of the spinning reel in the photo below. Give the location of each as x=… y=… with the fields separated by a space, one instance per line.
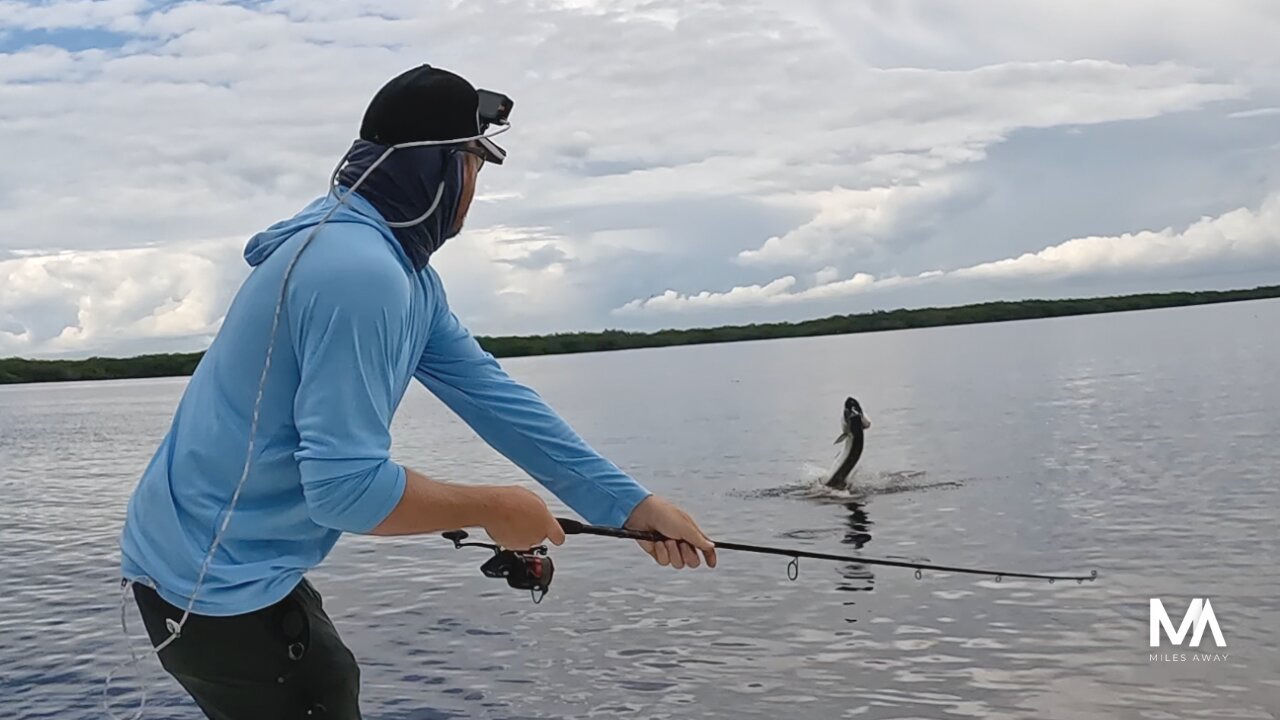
x=523 y=570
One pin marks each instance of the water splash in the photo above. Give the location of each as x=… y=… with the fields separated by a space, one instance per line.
x=863 y=484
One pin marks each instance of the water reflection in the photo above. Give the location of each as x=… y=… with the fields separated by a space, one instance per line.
x=859 y=532
x=856 y=576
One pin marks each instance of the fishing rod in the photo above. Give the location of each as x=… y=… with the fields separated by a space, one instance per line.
x=573 y=527
x=532 y=569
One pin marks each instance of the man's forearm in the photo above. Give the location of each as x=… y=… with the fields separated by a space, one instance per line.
x=431 y=506
x=514 y=420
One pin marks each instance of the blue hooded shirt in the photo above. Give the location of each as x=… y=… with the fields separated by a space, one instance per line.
x=360 y=320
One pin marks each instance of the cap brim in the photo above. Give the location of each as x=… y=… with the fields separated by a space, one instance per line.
x=492 y=152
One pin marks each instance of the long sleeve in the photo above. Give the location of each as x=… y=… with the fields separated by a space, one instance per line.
x=516 y=422
x=346 y=324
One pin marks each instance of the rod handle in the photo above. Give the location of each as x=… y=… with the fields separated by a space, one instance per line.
x=573 y=527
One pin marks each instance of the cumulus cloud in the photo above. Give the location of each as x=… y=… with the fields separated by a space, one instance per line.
x=825 y=275
x=1233 y=35
x=1239 y=238
x=1255 y=113
x=121 y=15
x=83 y=301
x=538 y=258
x=658 y=143
x=844 y=221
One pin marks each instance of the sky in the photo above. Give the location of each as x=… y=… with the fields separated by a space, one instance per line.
x=673 y=163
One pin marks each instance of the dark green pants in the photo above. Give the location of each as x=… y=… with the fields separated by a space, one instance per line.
x=283 y=662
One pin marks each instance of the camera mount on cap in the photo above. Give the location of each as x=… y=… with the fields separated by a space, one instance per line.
x=494 y=109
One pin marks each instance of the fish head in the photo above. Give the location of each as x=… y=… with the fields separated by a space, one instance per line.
x=854 y=417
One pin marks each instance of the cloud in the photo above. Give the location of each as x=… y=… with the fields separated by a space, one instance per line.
x=84 y=300
x=669 y=301
x=1236 y=37
x=539 y=258
x=1239 y=238
x=119 y=15
x=844 y=222
x=1255 y=113
x=826 y=275
x=657 y=143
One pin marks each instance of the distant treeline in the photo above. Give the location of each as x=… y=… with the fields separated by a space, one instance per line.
x=17 y=370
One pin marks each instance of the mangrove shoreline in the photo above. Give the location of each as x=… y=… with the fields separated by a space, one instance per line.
x=20 y=370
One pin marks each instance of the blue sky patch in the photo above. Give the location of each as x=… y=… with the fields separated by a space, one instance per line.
x=72 y=39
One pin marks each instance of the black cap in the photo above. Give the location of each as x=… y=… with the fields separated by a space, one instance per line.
x=425 y=103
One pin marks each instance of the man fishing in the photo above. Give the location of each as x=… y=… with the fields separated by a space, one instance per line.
x=281 y=441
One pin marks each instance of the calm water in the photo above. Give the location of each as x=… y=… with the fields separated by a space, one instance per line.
x=1142 y=445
